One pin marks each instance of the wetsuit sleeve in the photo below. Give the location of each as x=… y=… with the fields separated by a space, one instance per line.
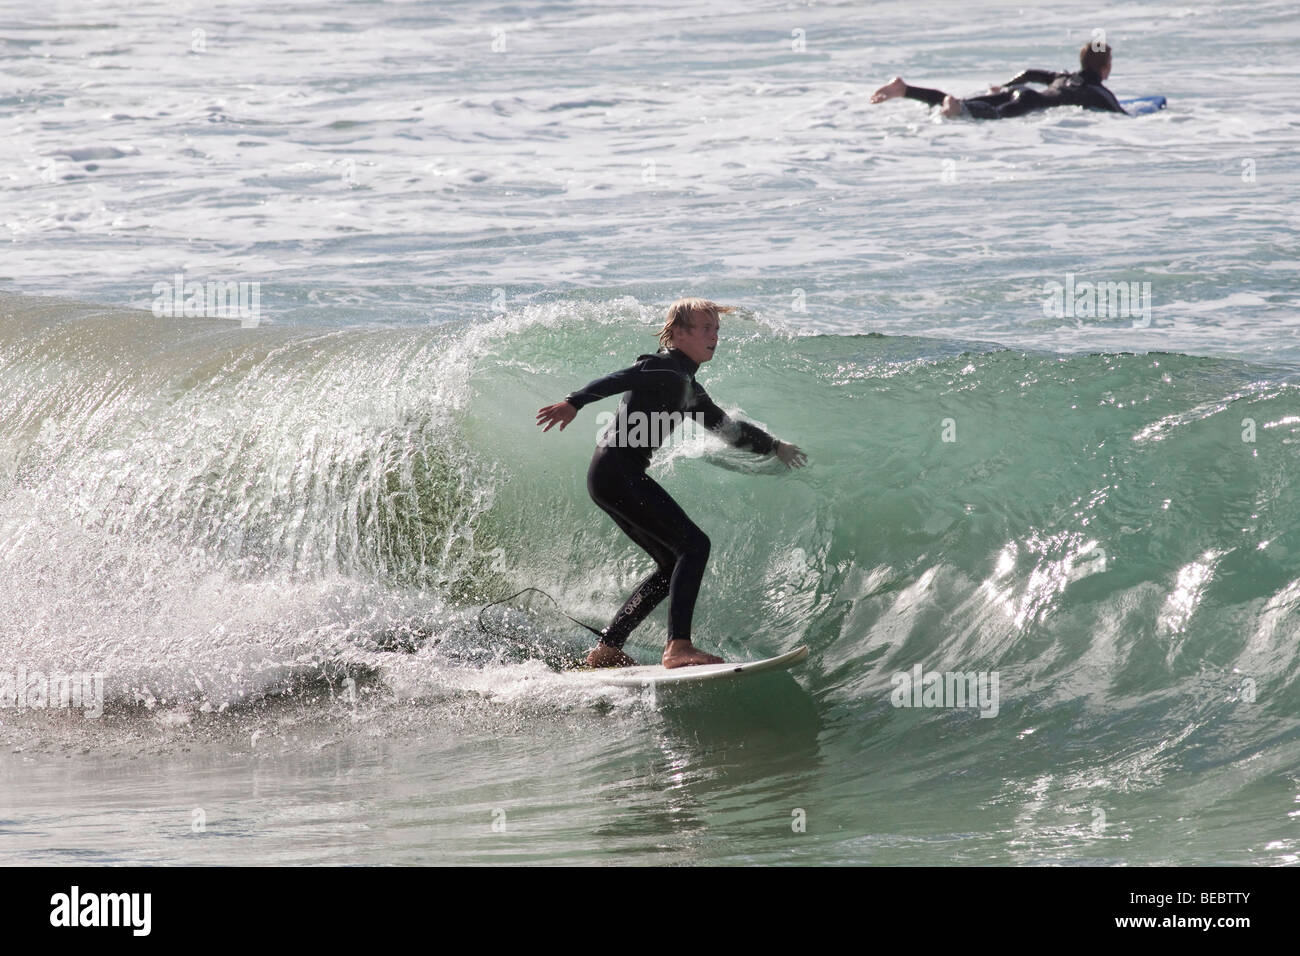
x=1103 y=99
x=1046 y=77
x=927 y=96
x=740 y=434
x=1081 y=90
x=636 y=377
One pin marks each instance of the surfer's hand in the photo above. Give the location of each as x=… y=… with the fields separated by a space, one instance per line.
x=997 y=89
x=560 y=413
x=791 y=455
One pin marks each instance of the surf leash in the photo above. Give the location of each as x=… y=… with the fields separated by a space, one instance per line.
x=483 y=627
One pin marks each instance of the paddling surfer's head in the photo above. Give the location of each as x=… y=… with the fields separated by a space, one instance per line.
x=691 y=327
x=1096 y=57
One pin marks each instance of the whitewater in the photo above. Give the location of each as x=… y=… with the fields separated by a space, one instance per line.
x=1045 y=370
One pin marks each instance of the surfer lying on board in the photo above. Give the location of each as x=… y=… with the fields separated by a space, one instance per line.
x=657 y=391
x=1083 y=88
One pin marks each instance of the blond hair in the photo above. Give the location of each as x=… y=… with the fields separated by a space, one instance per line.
x=681 y=316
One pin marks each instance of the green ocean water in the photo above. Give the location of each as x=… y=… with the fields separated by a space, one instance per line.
x=275 y=542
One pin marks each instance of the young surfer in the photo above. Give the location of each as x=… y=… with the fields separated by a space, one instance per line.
x=657 y=392
x=1082 y=88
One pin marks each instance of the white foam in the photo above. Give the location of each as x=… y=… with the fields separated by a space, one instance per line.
x=422 y=159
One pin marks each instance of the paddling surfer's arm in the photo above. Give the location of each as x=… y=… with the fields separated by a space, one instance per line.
x=1045 y=77
x=744 y=434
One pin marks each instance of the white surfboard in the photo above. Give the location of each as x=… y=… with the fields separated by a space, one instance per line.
x=656 y=675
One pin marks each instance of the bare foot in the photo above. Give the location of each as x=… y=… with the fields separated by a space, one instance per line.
x=684 y=654
x=890 y=91
x=606 y=655
x=952 y=107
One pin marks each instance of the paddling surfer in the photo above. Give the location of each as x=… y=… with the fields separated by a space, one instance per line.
x=1081 y=88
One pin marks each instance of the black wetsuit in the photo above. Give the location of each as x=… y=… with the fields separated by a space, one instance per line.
x=1083 y=88
x=658 y=390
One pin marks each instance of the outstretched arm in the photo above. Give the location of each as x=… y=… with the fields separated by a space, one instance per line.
x=637 y=377
x=746 y=435
x=1046 y=77
x=561 y=413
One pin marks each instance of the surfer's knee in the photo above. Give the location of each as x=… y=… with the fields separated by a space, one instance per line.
x=698 y=543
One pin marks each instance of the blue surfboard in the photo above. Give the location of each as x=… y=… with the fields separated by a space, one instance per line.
x=1143 y=104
